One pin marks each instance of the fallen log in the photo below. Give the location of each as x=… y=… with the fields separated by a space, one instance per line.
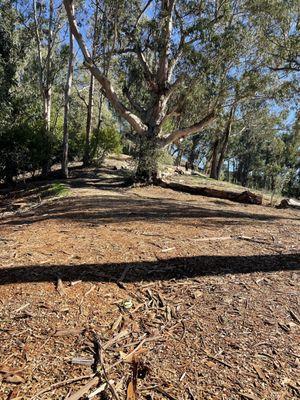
x=289 y=203
x=245 y=197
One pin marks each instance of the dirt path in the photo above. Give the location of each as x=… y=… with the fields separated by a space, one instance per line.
x=213 y=287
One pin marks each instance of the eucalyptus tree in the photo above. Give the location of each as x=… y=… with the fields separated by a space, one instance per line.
x=90 y=103
x=175 y=57
x=8 y=57
x=67 y=94
x=257 y=147
x=45 y=19
x=278 y=32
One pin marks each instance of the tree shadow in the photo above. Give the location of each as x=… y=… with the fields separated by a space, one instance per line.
x=172 y=268
x=123 y=207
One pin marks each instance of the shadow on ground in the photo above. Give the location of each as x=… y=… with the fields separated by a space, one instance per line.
x=115 y=209
x=126 y=207
x=173 y=268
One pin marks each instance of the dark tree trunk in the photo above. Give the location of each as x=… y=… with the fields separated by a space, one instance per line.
x=242 y=173
x=193 y=154
x=222 y=152
x=147 y=168
x=214 y=160
x=179 y=156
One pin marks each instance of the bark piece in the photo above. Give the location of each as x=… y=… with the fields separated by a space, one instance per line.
x=84 y=389
x=68 y=332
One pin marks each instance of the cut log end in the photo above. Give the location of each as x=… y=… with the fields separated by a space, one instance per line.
x=289 y=203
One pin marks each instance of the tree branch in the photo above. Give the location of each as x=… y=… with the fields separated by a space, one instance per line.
x=182 y=133
x=167 y=8
x=147 y=72
x=108 y=89
x=136 y=106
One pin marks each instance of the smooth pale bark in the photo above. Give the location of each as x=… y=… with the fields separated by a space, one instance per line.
x=44 y=67
x=68 y=87
x=48 y=84
x=183 y=133
x=90 y=107
x=167 y=7
x=89 y=118
x=39 y=50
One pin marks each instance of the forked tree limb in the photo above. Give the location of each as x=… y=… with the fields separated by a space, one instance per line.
x=161 y=78
x=182 y=133
x=108 y=89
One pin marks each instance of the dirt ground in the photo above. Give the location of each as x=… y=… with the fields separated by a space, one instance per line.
x=204 y=292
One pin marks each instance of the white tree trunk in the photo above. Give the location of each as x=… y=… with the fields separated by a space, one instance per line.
x=68 y=88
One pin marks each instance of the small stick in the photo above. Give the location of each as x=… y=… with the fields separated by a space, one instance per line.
x=22 y=307
x=98 y=390
x=207 y=239
x=217 y=359
x=87 y=293
x=115 y=339
x=62 y=383
x=99 y=361
x=166 y=394
x=84 y=389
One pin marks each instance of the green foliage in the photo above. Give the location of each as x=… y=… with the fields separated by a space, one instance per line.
x=106 y=140
x=24 y=148
x=227 y=52
x=291 y=187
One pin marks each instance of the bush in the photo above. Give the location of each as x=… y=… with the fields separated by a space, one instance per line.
x=105 y=141
x=25 y=148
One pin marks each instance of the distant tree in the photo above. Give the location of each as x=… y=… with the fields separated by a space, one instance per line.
x=47 y=21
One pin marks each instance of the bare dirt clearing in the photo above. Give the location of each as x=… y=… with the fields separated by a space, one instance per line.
x=210 y=287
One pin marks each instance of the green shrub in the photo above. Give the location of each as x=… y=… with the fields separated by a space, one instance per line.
x=105 y=141
x=25 y=148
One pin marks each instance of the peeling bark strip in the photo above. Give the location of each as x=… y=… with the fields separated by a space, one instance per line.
x=245 y=197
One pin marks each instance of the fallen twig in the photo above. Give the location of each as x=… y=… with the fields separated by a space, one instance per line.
x=60 y=384
x=100 y=362
x=218 y=360
x=60 y=287
x=115 y=339
x=100 y=389
x=166 y=394
x=84 y=389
